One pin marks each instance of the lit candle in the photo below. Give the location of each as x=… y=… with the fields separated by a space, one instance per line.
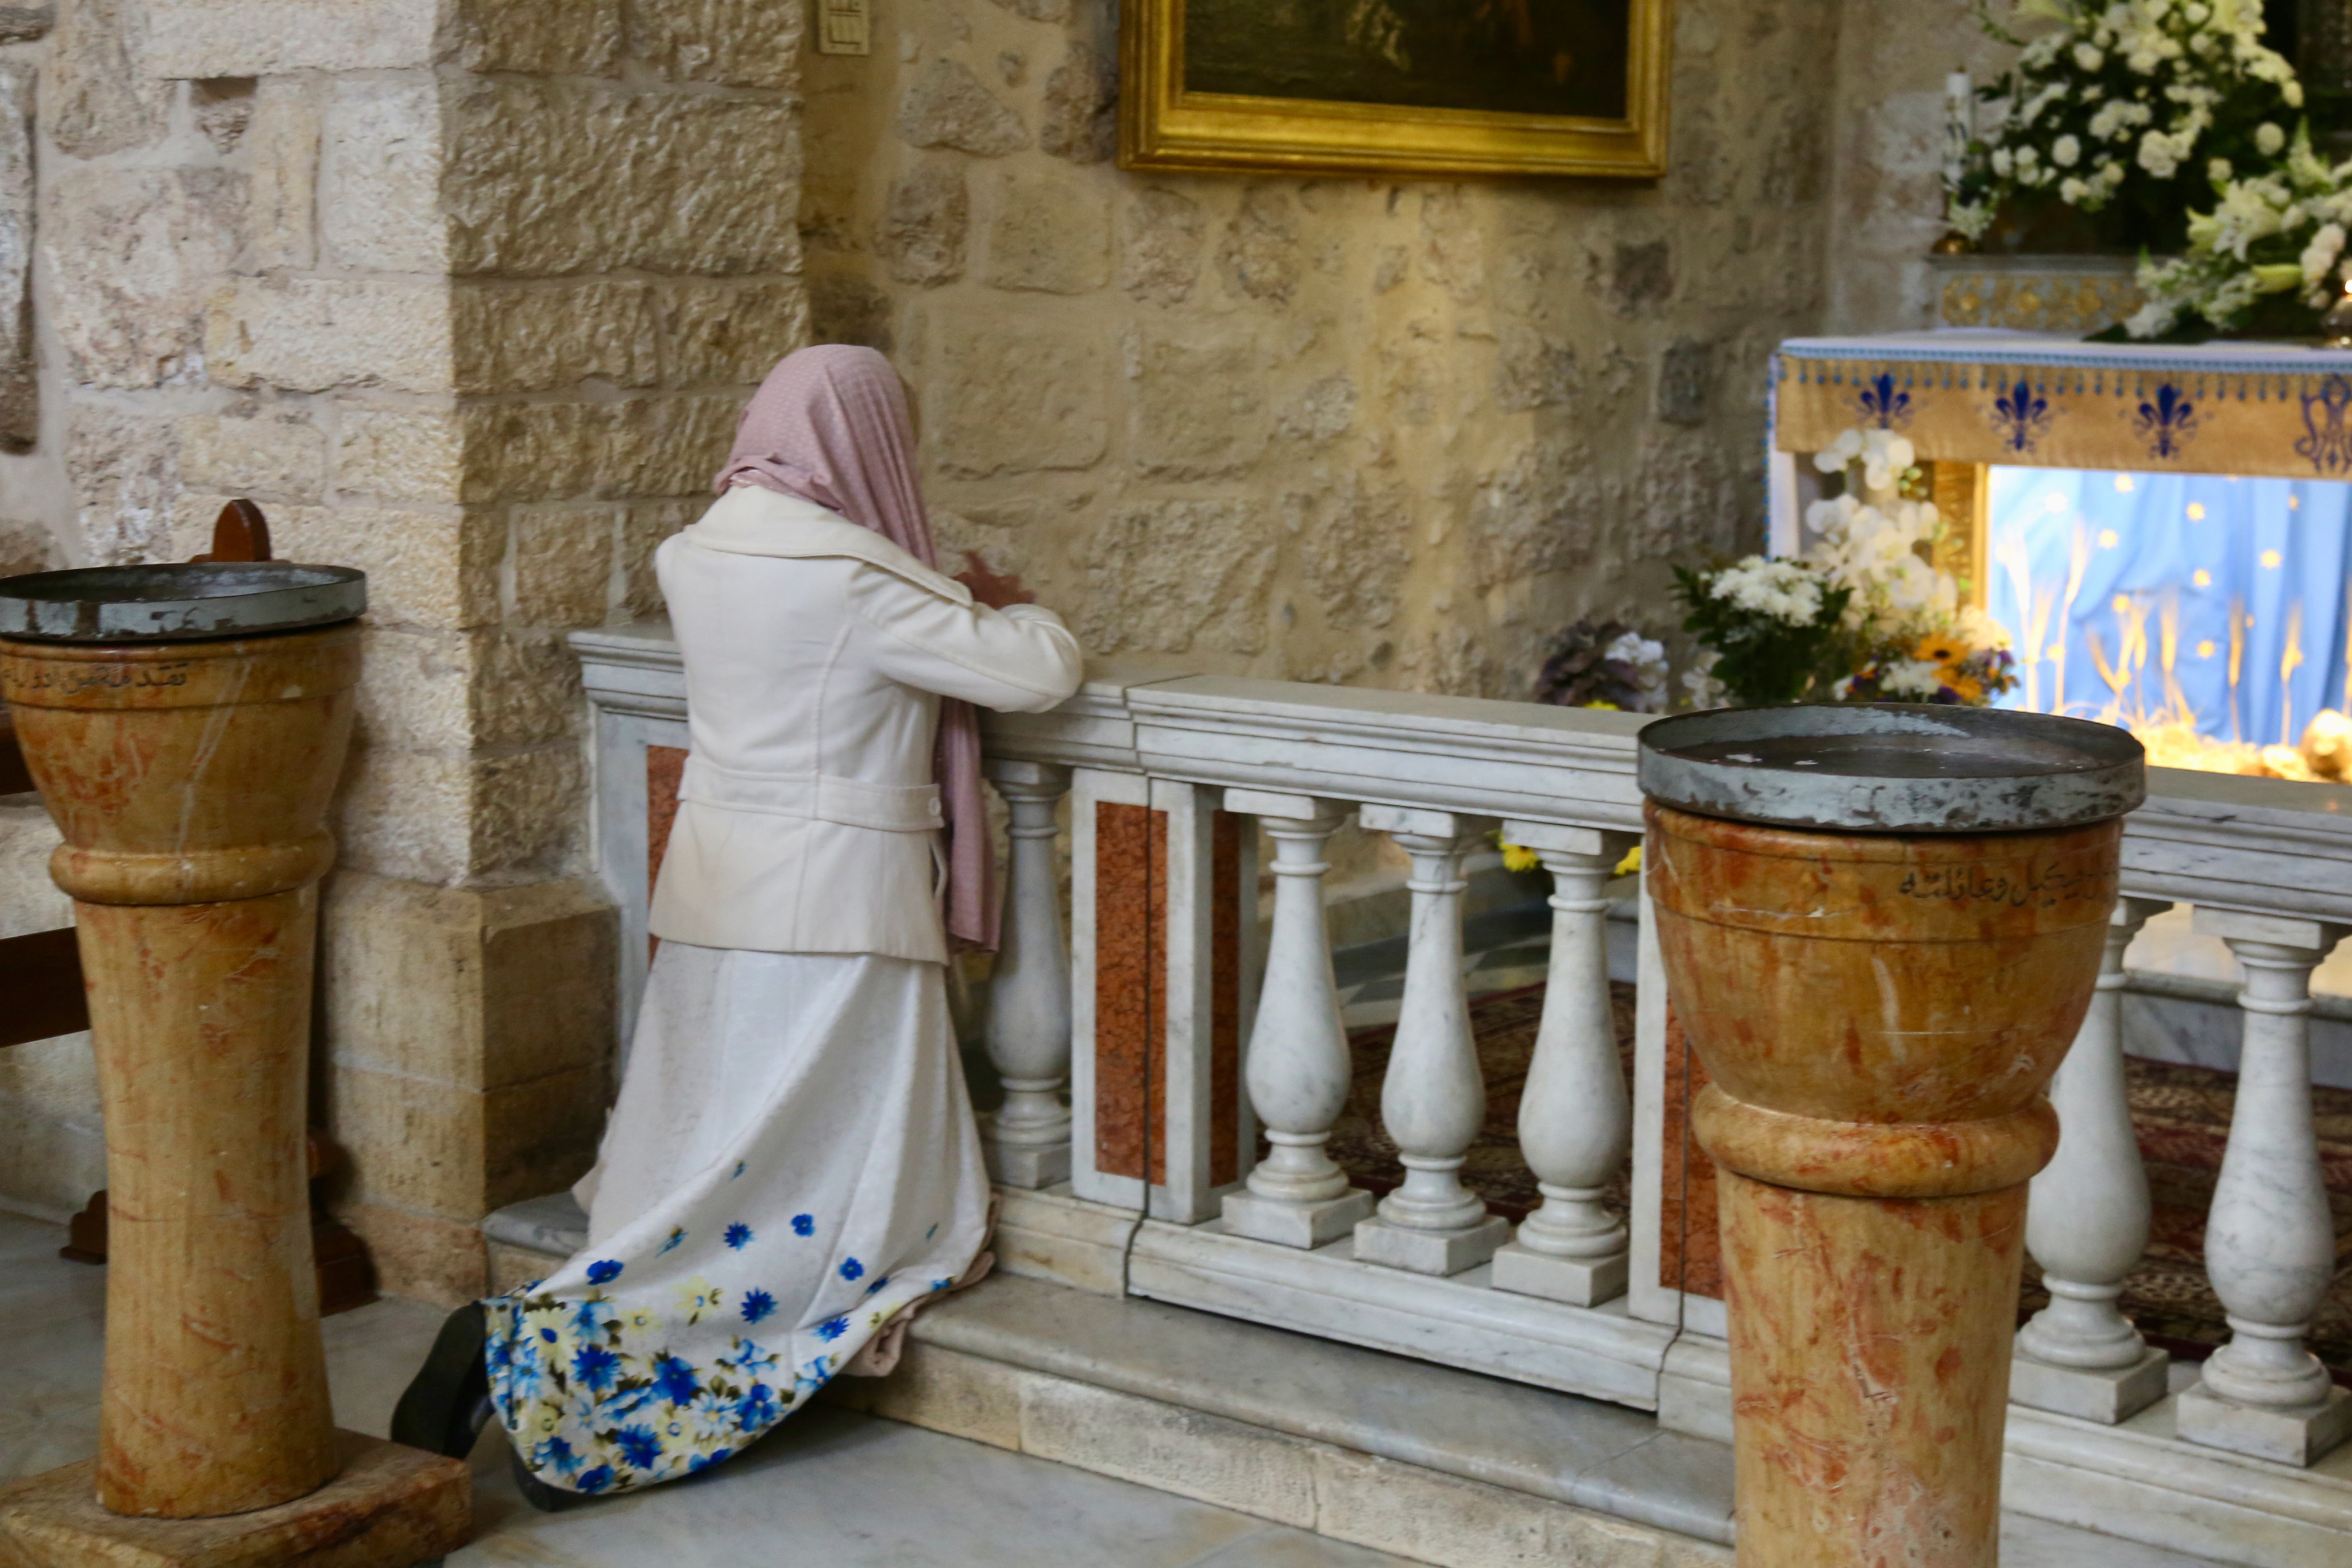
x=1960 y=124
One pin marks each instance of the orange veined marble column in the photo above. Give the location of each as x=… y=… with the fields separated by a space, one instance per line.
x=191 y=781
x=1880 y=1015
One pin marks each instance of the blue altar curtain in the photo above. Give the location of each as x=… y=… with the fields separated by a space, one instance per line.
x=2137 y=598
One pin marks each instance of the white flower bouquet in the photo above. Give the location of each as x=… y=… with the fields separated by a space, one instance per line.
x=2107 y=107
x=2273 y=240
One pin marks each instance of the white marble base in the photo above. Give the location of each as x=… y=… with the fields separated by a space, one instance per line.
x=1579 y=1281
x=1297 y=1224
x=1025 y=1166
x=2293 y=1436
x=1439 y=1252
x=2108 y=1396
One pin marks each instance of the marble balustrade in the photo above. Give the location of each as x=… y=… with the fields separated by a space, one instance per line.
x=1185 y=1030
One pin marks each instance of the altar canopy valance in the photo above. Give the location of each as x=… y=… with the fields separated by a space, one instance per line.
x=2031 y=400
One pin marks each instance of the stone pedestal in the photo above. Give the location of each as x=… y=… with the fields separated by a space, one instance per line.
x=1880 y=1013
x=2287 y=1435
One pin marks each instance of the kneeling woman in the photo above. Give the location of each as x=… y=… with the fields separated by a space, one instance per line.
x=792 y=1163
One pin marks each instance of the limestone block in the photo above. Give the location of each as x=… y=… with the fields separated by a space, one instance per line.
x=717 y=41
x=272 y=455
x=431 y=691
x=29 y=902
x=132 y=254
x=643 y=529
x=422 y=1257
x=1038 y=10
x=1161 y=252
x=849 y=309
x=1176 y=1450
x=52 y=1142
x=433 y=568
x=94 y=100
x=1167 y=575
x=1260 y=255
x=283 y=138
x=947 y=106
x=544 y=337
x=431 y=816
x=665 y=446
x=562 y=563
x=730 y=333
x=1018 y=397
x=458 y=1153
x=1453 y=247
x=548 y=38
x=1532 y=371
x=1326 y=408
x=307 y=335
x=483 y=991
x=1050 y=234
x=554 y=177
x=1685 y=373
x=26 y=23
x=379 y=175
x=531 y=814
x=197 y=39
x=923 y=222
x=1415 y=1512
x=1081 y=119
x=1199 y=408
x=394 y=453
x=124 y=469
x=19 y=387
x=1641 y=277
x=26 y=546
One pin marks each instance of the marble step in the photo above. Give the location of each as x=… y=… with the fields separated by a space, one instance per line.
x=1402 y=1456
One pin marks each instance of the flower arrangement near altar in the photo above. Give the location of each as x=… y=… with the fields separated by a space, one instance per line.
x=2106 y=110
x=1862 y=616
x=2279 y=234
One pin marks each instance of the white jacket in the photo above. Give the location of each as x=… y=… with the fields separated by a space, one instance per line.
x=816 y=652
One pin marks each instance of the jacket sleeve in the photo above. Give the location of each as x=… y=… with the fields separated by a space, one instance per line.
x=1020 y=660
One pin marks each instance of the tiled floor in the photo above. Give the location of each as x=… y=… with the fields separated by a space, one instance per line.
x=846 y=1491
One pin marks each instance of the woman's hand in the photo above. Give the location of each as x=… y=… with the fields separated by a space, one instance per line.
x=989 y=587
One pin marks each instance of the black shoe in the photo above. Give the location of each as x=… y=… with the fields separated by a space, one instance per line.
x=537 y=1493
x=448 y=1402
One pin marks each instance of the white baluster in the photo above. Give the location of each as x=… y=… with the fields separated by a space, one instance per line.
x=1575 y=1118
x=2269 y=1242
x=1298 y=1067
x=2087 y=1221
x=1434 y=1100
x=1026 y=1143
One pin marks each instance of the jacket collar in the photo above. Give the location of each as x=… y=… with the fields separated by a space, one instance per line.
x=750 y=521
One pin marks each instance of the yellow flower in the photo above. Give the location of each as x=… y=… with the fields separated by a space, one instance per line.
x=696 y=1297
x=1630 y=865
x=1940 y=650
x=1597 y=702
x=1517 y=857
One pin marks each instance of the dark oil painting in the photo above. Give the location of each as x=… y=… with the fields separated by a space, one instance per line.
x=1510 y=57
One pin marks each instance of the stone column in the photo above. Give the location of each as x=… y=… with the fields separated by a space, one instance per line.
x=468 y=296
x=1027 y=1140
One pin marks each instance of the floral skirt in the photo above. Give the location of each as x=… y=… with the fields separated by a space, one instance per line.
x=791 y=1161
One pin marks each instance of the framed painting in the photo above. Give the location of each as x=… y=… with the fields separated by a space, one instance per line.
x=1395 y=86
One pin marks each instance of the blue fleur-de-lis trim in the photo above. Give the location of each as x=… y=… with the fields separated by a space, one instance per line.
x=803 y=1224
x=738 y=1237
x=1883 y=404
x=2167 y=422
x=2327 y=443
x=2020 y=416
x=604 y=1272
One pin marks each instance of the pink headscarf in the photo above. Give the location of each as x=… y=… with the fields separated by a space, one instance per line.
x=830 y=426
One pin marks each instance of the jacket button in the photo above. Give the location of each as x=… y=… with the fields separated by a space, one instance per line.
x=934 y=807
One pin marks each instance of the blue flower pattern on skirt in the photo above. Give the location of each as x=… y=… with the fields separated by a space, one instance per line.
x=738 y=1237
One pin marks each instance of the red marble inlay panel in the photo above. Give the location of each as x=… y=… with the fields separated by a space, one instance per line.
x=665 y=771
x=1225 y=999
x=1130 y=1013
x=1690 y=1251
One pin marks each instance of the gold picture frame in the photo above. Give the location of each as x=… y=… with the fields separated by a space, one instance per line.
x=1165 y=126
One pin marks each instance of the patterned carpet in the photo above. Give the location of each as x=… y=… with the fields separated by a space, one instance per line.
x=2182 y=1113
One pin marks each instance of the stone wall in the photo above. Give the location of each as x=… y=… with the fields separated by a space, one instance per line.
x=468 y=296
x=1344 y=429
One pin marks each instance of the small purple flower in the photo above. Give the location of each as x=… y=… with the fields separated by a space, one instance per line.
x=803 y=1224
x=757 y=1304
x=639 y=1447
x=596 y=1367
x=595 y=1480
x=604 y=1272
x=851 y=1269
x=738 y=1237
x=832 y=1329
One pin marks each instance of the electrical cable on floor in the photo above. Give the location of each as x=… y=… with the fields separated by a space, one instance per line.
x=1143 y=1211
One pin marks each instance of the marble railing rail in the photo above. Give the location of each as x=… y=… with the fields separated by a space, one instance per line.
x=1176 y=1040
